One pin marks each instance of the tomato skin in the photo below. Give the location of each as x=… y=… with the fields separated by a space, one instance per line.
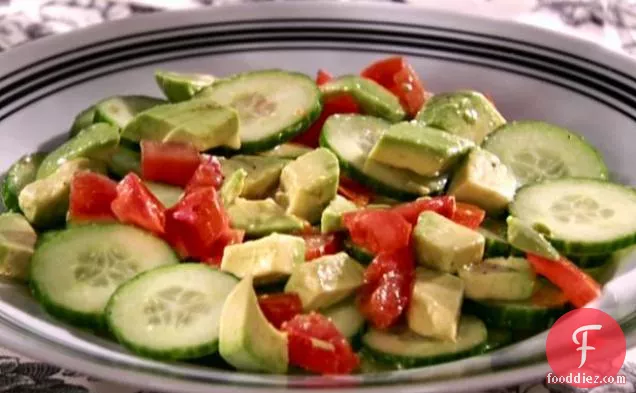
x=280 y=307
x=378 y=230
x=171 y=163
x=444 y=205
x=354 y=191
x=207 y=174
x=399 y=77
x=578 y=287
x=135 y=204
x=318 y=245
x=333 y=356
x=196 y=222
x=387 y=288
x=91 y=196
x=468 y=215
x=227 y=238
x=323 y=77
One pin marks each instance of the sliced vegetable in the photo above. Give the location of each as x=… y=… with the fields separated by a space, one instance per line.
x=261 y=218
x=469 y=216
x=356 y=252
x=120 y=110
x=233 y=186
x=280 y=307
x=498 y=279
x=347 y=318
x=207 y=174
x=378 y=230
x=525 y=238
x=166 y=194
x=354 y=191
x=83 y=119
x=179 y=86
x=19 y=175
x=318 y=245
x=91 y=197
x=123 y=161
x=578 y=287
x=17 y=242
x=263 y=173
x=171 y=163
x=444 y=205
x=135 y=204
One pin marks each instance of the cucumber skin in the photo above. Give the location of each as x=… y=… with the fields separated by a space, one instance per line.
x=513 y=317
x=171 y=354
x=283 y=136
x=379 y=187
x=498 y=338
x=356 y=252
x=401 y=362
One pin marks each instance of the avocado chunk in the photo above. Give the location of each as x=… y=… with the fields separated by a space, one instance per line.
x=17 y=241
x=435 y=304
x=233 y=186
x=247 y=340
x=373 y=98
x=124 y=161
x=484 y=181
x=346 y=316
x=326 y=280
x=45 y=201
x=268 y=260
x=331 y=220
x=443 y=245
x=468 y=114
x=287 y=150
x=83 y=120
x=260 y=218
x=498 y=279
x=423 y=150
x=179 y=87
x=21 y=173
x=262 y=173
x=310 y=183
x=96 y=142
x=525 y=237
x=202 y=123
x=168 y=195
x=120 y=110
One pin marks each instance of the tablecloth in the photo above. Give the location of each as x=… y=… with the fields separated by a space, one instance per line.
x=611 y=23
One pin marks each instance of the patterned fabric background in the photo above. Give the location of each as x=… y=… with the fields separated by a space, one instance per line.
x=610 y=22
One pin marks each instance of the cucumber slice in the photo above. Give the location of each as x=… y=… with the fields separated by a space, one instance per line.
x=537 y=151
x=498 y=279
x=373 y=98
x=179 y=87
x=120 y=110
x=498 y=338
x=75 y=271
x=83 y=119
x=179 y=304
x=580 y=216
x=535 y=314
x=287 y=150
x=351 y=138
x=123 y=161
x=168 y=195
x=495 y=233
x=21 y=173
x=590 y=261
x=273 y=105
x=603 y=273
x=405 y=349
x=346 y=317
x=356 y=252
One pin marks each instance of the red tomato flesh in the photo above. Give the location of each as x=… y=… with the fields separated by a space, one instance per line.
x=136 y=205
x=318 y=245
x=207 y=174
x=195 y=223
x=171 y=163
x=378 y=230
x=354 y=191
x=468 y=215
x=316 y=345
x=397 y=75
x=578 y=287
x=323 y=77
x=280 y=307
x=227 y=238
x=91 y=196
x=444 y=205
x=387 y=288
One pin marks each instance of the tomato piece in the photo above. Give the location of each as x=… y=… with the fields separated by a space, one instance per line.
x=316 y=345
x=548 y=296
x=196 y=222
x=323 y=77
x=135 y=204
x=387 y=288
x=171 y=163
x=444 y=205
x=280 y=307
x=227 y=238
x=207 y=174
x=378 y=230
x=399 y=77
x=354 y=191
x=470 y=216
x=578 y=287
x=317 y=245
x=91 y=196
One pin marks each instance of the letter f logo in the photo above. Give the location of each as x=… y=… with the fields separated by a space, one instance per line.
x=584 y=347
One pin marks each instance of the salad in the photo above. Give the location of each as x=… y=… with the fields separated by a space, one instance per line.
x=339 y=225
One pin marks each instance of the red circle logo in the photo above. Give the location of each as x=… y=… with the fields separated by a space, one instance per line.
x=585 y=348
